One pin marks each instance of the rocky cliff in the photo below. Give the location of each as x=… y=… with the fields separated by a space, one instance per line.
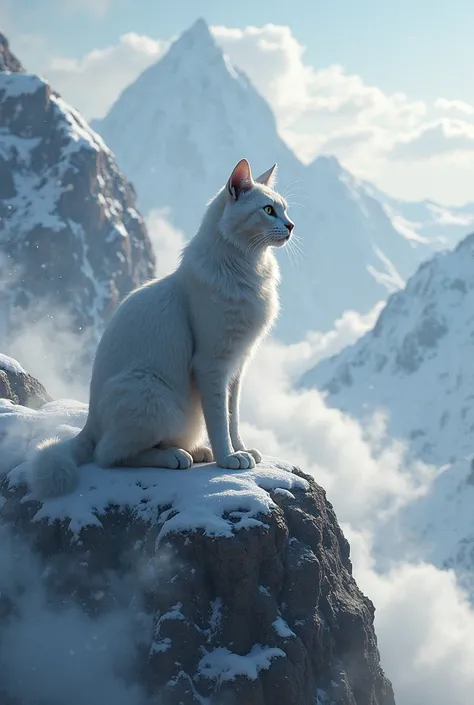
x=8 y=61
x=238 y=585
x=71 y=239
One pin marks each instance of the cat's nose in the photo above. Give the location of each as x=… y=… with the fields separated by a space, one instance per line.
x=290 y=226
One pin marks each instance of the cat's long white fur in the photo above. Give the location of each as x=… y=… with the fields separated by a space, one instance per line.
x=174 y=352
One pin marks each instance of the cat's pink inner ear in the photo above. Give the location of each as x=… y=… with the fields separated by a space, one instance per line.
x=268 y=177
x=240 y=179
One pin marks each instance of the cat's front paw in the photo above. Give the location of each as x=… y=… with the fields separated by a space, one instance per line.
x=202 y=455
x=242 y=460
x=257 y=456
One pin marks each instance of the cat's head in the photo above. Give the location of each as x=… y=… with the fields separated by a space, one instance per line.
x=254 y=215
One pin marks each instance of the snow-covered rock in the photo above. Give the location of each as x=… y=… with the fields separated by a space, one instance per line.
x=237 y=586
x=416 y=366
x=19 y=387
x=178 y=130
x=71 y=239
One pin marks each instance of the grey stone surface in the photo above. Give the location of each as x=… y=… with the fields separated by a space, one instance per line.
x=22 y=388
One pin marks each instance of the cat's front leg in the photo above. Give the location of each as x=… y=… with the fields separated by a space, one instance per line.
x=234 y=417
x=213 y=389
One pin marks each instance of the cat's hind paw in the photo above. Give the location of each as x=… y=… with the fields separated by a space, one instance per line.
x=241 y=460
x=175 y=459
x=201 y=454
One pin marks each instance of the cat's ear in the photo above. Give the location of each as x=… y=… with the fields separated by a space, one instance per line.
x=268 y=178
x=240 y=180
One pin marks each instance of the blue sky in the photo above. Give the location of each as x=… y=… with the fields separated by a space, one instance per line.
x=423 y=48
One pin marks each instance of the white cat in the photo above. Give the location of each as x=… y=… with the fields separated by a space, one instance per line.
x=174 y=352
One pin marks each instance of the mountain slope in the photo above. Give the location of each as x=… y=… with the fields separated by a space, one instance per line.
x=179 y=129
x=71 y=239
x=417 y=366
x=417 y=361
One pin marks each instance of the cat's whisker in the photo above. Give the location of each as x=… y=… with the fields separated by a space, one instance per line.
x=297 y=251
x=298 y=193
x=292 y=184
x=295 y=203
x=291 y=254
x=295 y=190
x=295 y=248
x=255 y=241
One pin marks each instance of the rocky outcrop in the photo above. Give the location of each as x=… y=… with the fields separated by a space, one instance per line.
x=71 y=239
x=8 y=60
x=241 y=582
x=19 y=387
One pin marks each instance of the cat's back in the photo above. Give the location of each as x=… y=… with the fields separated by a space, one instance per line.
x=145 y=307
x=150 y=323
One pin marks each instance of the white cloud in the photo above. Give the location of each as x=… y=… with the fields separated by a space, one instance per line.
x=316 y=346
x=93 y=83
x=334 y=448
x=308 y=101
x=61 y=656
x=456 y=106
x=424 y=625
x=441 y=137
x=51 y=352
x=331 y=110
x=166 y=240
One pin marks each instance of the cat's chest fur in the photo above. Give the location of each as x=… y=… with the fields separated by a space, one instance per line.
x=239 y=312
x=248 y=315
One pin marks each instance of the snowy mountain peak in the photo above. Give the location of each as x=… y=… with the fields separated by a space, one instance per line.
x=197 y=38
x=178 y=115
x=196 y=55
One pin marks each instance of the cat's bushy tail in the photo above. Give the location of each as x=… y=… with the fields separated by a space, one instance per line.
x=55 y=465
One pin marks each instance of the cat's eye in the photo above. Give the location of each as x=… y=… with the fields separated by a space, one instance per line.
x=269 y=210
